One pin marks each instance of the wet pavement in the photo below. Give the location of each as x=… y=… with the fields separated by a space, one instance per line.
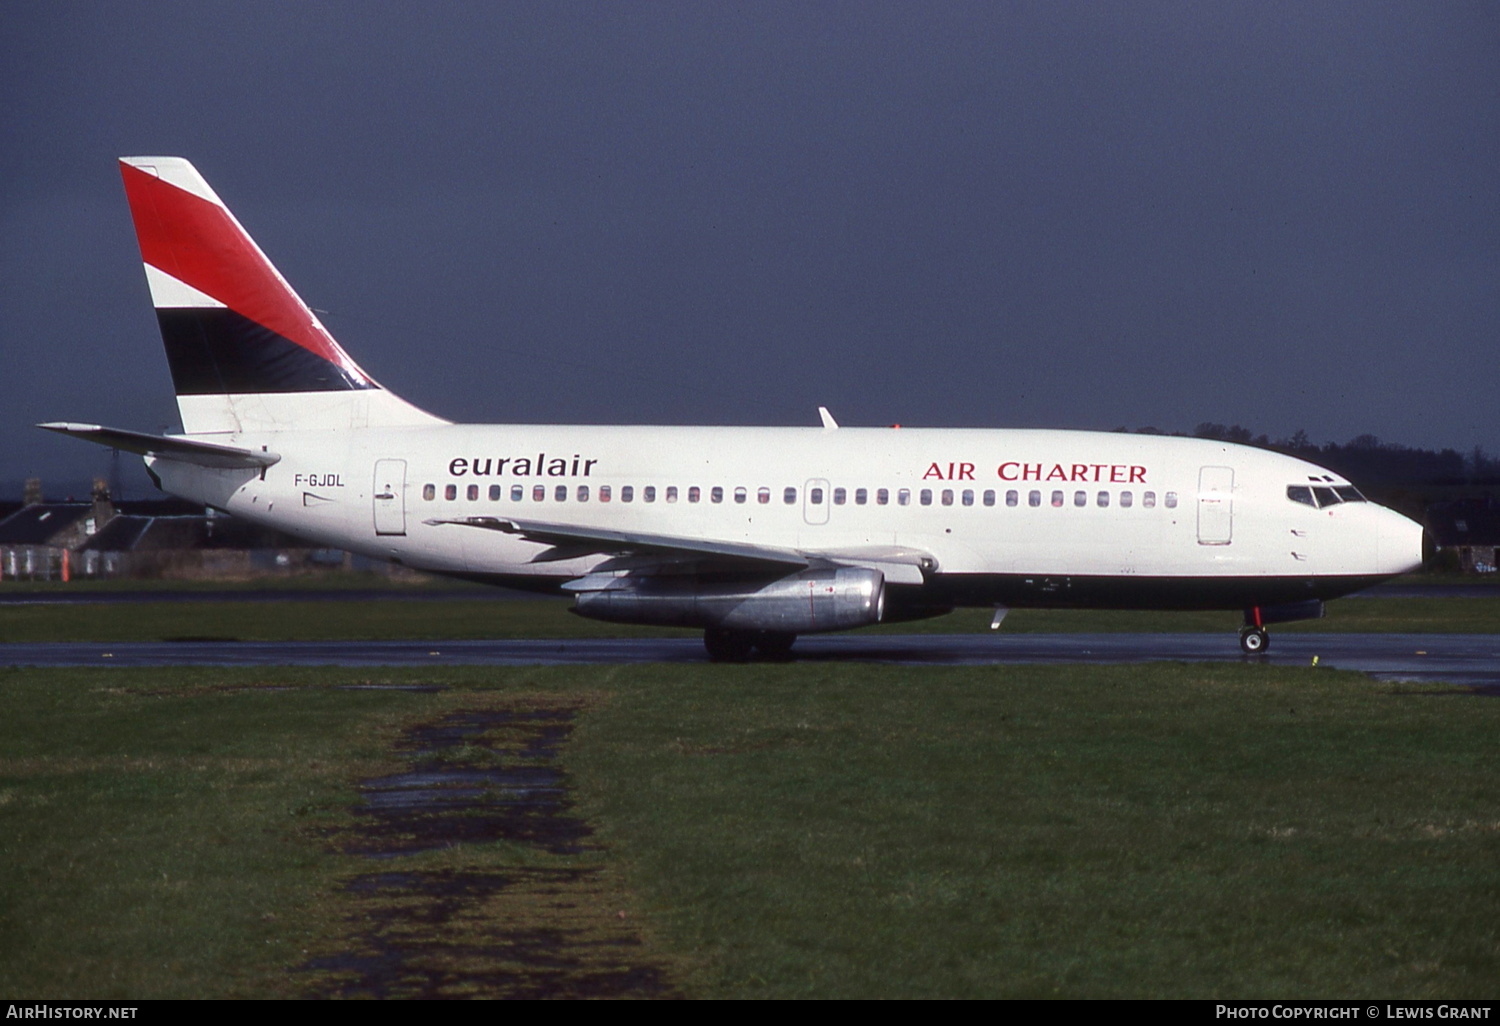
x=1466 y=659
x=474 y=929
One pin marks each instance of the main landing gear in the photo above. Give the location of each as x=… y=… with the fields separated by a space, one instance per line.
x=728 y=646
x=1254 y=640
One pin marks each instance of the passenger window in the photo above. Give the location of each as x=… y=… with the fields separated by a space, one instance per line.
x=903 y=497
x=925 y=497
x=517 y=493
x=740 y=495
x=429 y=492
x=716 y=494
x=627 y=493
x=989 y=496
x=561 y=493
x=1034 y=499
x=1125 y=500
x=539 y=493
x=1080 y=498
x=604 y=493
x=473 y=493
x=694 y=493
x=583 y=493
x=968 y=497
x=1012 y=497
x=1103 y=499
x=1302 y=494
x=1170 y=499
x=947 y=496
x=763 y=495
x=815 y=496
x=882 y=496
x=494 y=493
x=789 y=496
x=1057 y=498
x=861 y=496
x=671 y=495
x=839 y=495
x=1148 y=500
x=649 y=493
x=450 y=493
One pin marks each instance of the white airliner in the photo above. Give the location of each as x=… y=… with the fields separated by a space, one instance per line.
x=755 y=535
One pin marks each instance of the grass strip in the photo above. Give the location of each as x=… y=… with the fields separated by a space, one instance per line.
x=791 y=830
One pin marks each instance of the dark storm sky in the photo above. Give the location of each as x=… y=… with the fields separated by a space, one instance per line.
x=1285 y=215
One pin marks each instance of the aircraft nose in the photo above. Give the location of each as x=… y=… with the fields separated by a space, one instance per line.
x=1401 y=543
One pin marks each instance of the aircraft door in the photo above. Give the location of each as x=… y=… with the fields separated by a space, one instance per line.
x=390 y=497
x=1215 y=505
x=815 y=501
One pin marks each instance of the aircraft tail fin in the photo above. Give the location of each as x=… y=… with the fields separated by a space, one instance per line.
x=246 y=353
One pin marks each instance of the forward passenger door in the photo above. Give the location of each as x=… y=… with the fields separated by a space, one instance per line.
x=1215 y=505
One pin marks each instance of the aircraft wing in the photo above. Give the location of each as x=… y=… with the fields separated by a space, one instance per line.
x=184 y=450
x=568 y=541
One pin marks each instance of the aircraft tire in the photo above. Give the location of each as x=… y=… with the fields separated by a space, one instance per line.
x=1254 y=641
x=726 y=646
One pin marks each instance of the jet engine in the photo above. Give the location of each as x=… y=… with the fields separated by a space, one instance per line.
x=831 y=599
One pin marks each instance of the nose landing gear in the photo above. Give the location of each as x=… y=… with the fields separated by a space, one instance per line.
x=1254 y=640
x=1253 y=637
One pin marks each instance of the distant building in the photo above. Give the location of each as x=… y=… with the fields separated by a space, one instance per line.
x=1469 y=528
x=148 y=539
x=36 y=540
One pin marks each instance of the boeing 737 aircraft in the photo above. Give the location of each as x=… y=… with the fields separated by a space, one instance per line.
x=755 y=535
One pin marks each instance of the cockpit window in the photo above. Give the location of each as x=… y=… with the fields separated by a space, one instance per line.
x=1321 y=495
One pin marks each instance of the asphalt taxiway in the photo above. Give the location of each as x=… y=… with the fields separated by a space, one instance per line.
x=1470 y=660
x=130 y=596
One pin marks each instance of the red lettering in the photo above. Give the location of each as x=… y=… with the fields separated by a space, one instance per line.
x=1097 y=468
x=1116 y=473
x=933 y=471
x=1031 y=472
x=1080 y=472
x=1057 y=473
x=966 y=471
x=950 y=472
x=1137 y=475
x=1003 y=475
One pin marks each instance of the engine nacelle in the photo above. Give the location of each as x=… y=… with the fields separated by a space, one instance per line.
x=804 y=603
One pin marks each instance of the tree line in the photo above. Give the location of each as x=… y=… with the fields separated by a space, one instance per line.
x=1389 y=472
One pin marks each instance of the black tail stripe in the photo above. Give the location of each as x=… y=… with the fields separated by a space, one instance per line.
x=215 y=351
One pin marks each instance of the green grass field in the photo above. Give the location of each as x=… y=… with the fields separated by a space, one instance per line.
x=789 y=830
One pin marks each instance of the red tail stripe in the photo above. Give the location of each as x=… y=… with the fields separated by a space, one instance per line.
x=198 y=243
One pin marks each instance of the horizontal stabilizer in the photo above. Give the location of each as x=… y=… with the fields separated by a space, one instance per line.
x=184 y=450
